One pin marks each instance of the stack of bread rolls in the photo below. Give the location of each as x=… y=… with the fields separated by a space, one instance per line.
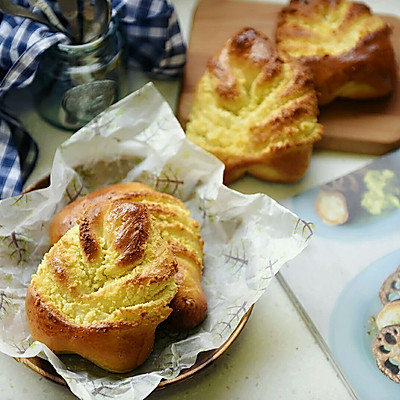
x=256 y=106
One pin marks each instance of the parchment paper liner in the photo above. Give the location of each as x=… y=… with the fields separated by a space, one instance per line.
x=247 y=237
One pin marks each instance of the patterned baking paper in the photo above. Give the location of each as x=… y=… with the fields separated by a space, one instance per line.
x=247 y=237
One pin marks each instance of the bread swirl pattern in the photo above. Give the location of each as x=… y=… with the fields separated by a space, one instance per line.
x=177 y=228
x=104 y=287
x=347 y=47
x=255 y=112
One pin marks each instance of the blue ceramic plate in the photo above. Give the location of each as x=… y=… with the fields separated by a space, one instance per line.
x=349 y=338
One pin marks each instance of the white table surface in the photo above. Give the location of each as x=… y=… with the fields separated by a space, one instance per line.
x=276 y=356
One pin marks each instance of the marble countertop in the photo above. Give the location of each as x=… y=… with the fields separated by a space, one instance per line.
x=276 y=356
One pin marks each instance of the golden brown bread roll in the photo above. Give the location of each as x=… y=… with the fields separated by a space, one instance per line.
x=347 y=47
x=176 y=226
x=255 y=112
x=104 y=287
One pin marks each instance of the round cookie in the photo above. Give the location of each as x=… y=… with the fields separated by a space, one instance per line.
x=390 y=289
x=386 y=350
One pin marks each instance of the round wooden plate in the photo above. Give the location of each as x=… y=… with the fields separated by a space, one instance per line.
x=204 y=359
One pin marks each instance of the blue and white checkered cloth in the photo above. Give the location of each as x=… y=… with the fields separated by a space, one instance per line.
x=153 y=40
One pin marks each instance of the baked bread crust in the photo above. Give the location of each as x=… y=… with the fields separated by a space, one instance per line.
x=104 y=287
x=181 y=232
x=254 y=111
x=347 y=47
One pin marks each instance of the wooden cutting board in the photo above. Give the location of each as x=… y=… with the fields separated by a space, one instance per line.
x=368 y=127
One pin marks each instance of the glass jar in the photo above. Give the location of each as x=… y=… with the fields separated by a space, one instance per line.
x=74 y=83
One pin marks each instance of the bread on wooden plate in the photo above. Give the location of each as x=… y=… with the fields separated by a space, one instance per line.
x=254 y=111
x=181 y=232
x=348 y=48
x=104 y=287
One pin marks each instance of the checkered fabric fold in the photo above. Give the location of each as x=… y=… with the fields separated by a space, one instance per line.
x=154 y=43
